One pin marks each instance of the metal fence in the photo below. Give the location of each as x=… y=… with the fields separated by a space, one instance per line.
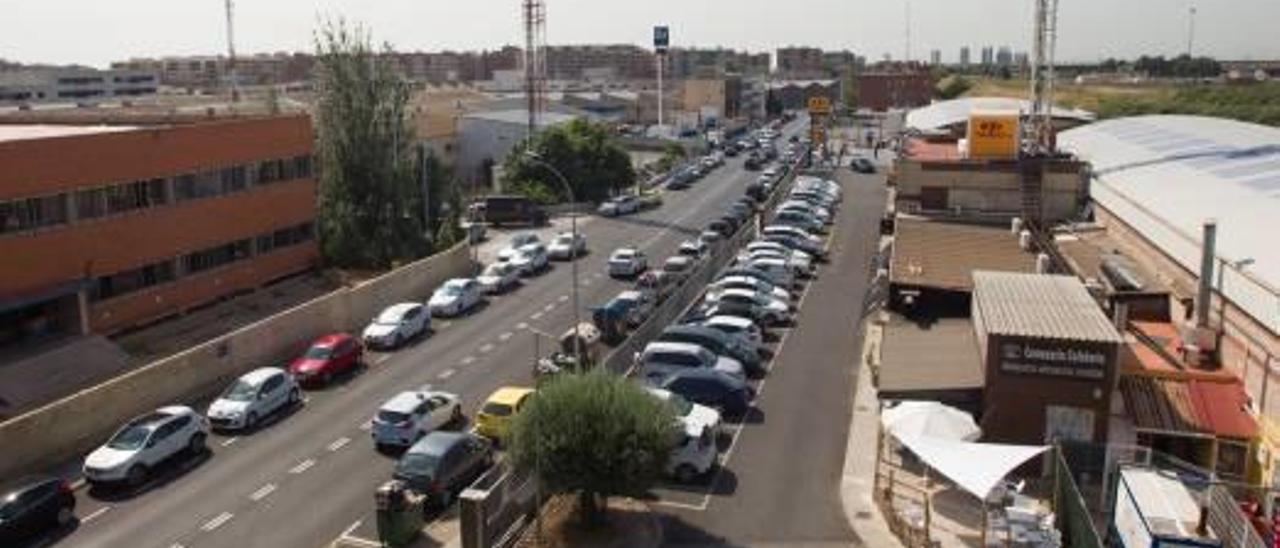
x=1071 y=514
x=497 y=507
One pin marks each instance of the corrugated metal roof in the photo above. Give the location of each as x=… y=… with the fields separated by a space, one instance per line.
x=1192 y=406
x=1165 y=175
x=945 y=113
x=1038 y=305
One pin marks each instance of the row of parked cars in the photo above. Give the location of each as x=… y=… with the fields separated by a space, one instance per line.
x=688 y=175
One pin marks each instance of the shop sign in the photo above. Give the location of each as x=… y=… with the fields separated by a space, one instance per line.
x=1028 y=358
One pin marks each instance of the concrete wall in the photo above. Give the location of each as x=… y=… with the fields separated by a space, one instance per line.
x=995 y=189
x=73 y=425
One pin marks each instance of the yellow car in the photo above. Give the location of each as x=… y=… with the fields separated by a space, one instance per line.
x=494 y=419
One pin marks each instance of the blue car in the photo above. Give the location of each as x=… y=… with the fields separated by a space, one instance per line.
x=712 y=388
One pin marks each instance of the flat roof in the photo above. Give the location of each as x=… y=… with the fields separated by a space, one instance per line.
x=946 y=113
x=520 y=116
x=1039 y=305
x=944 y=255
x=31 y=132
x=939 y=356
x=1085 y=250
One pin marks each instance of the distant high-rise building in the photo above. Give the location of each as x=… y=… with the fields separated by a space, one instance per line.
x=1004 y=57
x=1021 y=60
x=964 y=57
x=988 y=56
x=935 y=57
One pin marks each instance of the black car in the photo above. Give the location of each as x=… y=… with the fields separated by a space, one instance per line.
x=722 y=226
x=442 y=464
x=717 y=342
x=862 y=165
x=731 y=150
x=755 y=162
x=756 y=191
x=712 y=388
x=34 y=506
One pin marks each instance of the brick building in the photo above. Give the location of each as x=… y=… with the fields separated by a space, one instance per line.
x=895 y=87
x=109 y=227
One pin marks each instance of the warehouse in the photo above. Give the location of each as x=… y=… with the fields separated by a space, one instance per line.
x=1049 y=354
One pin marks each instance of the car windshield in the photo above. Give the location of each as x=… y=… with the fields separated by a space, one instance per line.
x=240 y=391
x=389 y=317
x=496 y=409
x=623 y=255
x=391 y=417
x=419 y=465
x=131 y=438
x=450 y=291
x=319 y=353
x=496 y=270
x=564 y=239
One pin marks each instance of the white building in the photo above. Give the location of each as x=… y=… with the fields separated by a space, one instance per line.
x=74 y=85
x=485 y=139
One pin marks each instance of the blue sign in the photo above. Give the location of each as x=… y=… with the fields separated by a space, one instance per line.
x=661 y=38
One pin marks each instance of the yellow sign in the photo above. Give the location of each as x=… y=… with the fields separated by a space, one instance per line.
x=993 y=135
x=819 y=105
x=818 y=135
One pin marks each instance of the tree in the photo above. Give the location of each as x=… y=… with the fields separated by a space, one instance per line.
x=588 y=155
x=672 y=154
x=773 y=106
x=370 y=200
x=596 y=435
x=953 y=86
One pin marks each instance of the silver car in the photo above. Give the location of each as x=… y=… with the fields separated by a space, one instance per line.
x=255 y=395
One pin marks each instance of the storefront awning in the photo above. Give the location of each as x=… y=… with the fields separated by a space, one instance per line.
x=975 y=467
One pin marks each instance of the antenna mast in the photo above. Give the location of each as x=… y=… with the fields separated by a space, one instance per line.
x=535 y=19
x=231 y=53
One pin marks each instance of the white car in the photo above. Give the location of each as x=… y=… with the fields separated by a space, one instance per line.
x=710 y=237
x=565 y=246
x=530 y=259
x=660 y=359
x=255 y=395
x=774 y=309
x=679 y=267
x=455 y=297
x=145 y=442
x=800 y=267
x=409 y=415
x=693 y=455
x=747 y=282
x=620 y=205
x=693 y=248
x=794 y=254
x=689 y=412
x=498 y=277
x=395 y=325
x=743 y=328
x=516 y=242
x=627 y=261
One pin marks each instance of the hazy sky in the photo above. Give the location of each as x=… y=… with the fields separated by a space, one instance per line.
x=95 y=32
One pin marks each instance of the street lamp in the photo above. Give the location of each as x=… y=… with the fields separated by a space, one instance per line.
x=573 y=248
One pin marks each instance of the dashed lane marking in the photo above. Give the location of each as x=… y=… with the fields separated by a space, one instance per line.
x=229 y=441
x=302 y=466
x=549 y=307
x=262 y=492
x=339 y=443
x=378 y=360
x=446 y=374
x=468 y=360
x=563 y=298
x=366 y=426
x=522 y=326
x=216 y=522
x=505 y=336
x=535 y=316
x=95 y=514
x=486 y=347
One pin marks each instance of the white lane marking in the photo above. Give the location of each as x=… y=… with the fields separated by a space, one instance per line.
x=338 y=443
x=302 y=466
x=522 y=325
x=444 y=325
x=177 y=545
x=353 y=527
x=227 y=442
x=486 y=347
x=446 y=374
x=216 y=522
x=562 y=298
x=381 y=359
x=95 y=514
x=549 y=307
x=505 y=336
x=535 y=316
x=366 y=426
x=262 y=492
x=468 y=360
x=695 y=507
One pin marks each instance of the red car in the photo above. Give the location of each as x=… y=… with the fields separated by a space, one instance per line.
x=327 y=356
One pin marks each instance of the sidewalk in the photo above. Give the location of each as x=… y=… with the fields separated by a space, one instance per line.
x=857 y=484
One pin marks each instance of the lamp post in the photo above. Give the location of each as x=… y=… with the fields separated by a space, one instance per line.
x=573 y=249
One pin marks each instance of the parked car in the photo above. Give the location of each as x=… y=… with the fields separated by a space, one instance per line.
x=689 y=412
x=721 y=227
x=678 y=267
x=754 y=162
x=442 y=464
x=144 y=443
x=34 y=505
x=255 y=395
x=802 y=219
x=627 y=262
x=762 y=306
x=530 y=259
x=498 y=277
x=395 y=325
x=715 y=389
x=692 y=248
x=862 y=165
x=694 y=453
x=710 y=237
x=493 y=421
x=658 y=285
x=500 y=210
x=410 y=415
x=516 y=242
x=566 y=246
x=660 y=359
x=801 y=265
x=779 y=271
x=637 y=306
x=456 y=296
x=619 y=205
x=716 y=341
x=327 y=356
x=791 y=254
x=741 y=328
x=753 y=284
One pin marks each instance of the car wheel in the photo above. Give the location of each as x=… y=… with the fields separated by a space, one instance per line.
x=136 y=475
x=65 y=515
x=686 y=473
x=327 y=378
x=456 y=416
x=395 y=341
x=250 y=421
x=196 y=443
x=295 y=396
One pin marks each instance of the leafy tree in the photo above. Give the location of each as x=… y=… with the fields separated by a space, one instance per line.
x=587 y=154
x=773 y=105
x=953 y=86
x=596 y=435
x=672 y=154
x=370 y=201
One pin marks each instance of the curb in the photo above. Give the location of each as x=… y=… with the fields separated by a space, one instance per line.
x=857 y=483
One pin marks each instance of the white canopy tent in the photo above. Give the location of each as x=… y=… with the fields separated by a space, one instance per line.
x=975 y=467
x=930 y=419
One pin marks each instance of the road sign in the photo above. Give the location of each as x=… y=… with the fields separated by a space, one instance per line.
x=661 y=38
x=819 y=105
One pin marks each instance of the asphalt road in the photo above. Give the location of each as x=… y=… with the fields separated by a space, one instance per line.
x=304 y=479
x=779 y=482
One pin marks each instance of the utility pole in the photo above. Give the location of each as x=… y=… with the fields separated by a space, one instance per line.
x=534 y=75
x=231 y=52
x=907 y=28
x=1191 y=29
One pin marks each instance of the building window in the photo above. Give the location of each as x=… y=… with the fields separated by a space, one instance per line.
x=122 y=283
x=216 y=256
x=33 y=213
x=234 y=179
x=191 y=186
x=284 y=237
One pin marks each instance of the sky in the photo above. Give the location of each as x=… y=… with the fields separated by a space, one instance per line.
x=96 y=32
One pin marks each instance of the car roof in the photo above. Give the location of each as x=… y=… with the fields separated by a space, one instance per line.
x=331 y=339
x=666 y=346
x=734 y=321
x=698 y=330
x=456 y=282
x=404 y=402
x=679 y=259
x=625 y=251
x=260 y=375
x=509 y=395
x=25 y=483
x=437 y=442
x=630 y=294
x=400 y=308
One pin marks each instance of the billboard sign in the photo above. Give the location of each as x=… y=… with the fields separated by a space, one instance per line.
x=993 y=135
x=661 y=38
x=819 y=105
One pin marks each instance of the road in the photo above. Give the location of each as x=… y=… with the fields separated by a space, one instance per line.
x=779 y=481
x=304 y=479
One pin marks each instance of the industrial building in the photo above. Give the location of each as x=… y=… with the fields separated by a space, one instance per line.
x=907 y=87
x=110 y=227
x=952 y=116
x=485 y=138
x=795 y=94
x=75 y=85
